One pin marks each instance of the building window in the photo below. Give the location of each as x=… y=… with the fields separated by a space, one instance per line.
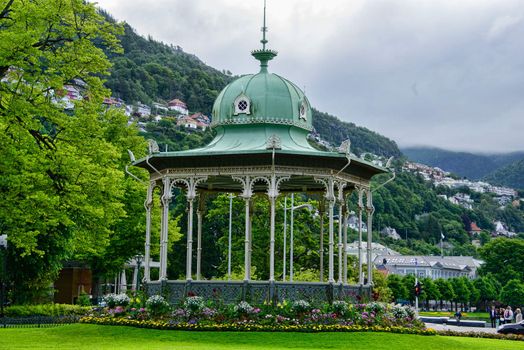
x=242 y=105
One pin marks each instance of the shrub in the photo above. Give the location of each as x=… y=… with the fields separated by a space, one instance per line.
x=83 y=299
x=46 y=310
x=194 y=305
x=243 y=308
x=300 y=306
x=157 y=305
x=340 y=307
x=113 y=300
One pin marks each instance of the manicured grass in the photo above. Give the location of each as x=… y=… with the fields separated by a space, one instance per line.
x=85 y=336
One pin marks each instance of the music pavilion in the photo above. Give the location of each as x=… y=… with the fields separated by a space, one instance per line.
x=262 y=122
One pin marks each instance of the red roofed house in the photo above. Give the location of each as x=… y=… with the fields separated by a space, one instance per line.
x=474 y=229
x=177 y=105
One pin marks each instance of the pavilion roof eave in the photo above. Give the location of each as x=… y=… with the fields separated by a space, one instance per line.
x=195 y=159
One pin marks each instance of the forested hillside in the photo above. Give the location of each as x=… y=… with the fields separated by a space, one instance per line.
x=510 y=175
x=362 y=140
x=149 y=71
x=470 y=165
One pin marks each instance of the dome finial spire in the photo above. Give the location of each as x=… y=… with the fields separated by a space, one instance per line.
x=264 y=29
x=264 y=55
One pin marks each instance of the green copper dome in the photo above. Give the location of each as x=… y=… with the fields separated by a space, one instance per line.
x=263 y=98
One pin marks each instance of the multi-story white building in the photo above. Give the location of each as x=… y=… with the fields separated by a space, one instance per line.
x=429 y=266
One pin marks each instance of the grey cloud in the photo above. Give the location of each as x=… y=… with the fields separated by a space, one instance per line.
x=442 y=73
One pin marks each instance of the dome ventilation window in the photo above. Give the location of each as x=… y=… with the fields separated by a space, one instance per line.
x=303 y=111
x=242 y=105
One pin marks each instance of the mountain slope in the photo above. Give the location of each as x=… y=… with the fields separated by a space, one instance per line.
x=362 y=140
x=470 y=165
x=149 y=71
x=511 y=175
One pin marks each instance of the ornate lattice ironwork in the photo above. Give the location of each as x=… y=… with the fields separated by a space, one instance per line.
x=258 y=292
x=312 y=292
x=229 y=292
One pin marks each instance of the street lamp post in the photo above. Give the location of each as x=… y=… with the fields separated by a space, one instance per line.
x=291 y=237
x=285 y=241
x=138 y=260
x=416 y=284
x=3 y=245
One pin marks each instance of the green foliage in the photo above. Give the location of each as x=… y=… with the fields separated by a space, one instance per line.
x=445 y=289
x=363 y=140
x=46 y=310
x=62 y=182
x=505 y=252
x=398 y=289
x=381 y=289
x=150 y=71
x=513 y=293
x=509 y=175
x=83 y=299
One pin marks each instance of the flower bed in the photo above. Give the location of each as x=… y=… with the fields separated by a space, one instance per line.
x=249 y=326
x=196 y=313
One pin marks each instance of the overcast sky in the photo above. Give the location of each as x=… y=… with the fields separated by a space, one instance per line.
x=439 y=73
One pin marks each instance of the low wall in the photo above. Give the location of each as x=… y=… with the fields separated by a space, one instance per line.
x=258 y=292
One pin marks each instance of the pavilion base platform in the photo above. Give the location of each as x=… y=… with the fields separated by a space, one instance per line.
x=258 y=292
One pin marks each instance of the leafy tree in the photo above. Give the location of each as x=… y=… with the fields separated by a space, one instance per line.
x=503 y=252
x=445 y=289
x=513 y=293
x=381 y=290
x=397 y=287
x=409 y=283
x=62 y=182
x=461 y=291
x=487 y=288
x=430 y=291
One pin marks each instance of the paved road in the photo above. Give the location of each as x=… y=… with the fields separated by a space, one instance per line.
x=440 y=327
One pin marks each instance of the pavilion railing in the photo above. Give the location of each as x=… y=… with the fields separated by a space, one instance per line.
x=258 y=292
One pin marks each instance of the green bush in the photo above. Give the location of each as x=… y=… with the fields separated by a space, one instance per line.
x=46 y=310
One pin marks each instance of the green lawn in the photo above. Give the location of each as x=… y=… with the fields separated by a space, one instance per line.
x=85 y=336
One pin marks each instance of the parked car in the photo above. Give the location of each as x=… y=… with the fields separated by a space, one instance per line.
x=512 y=328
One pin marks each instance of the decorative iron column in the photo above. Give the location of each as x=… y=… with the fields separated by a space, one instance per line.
x=360 y=209
x=273 y=195
x=247 y=193
x=340 y=199
x=321 y=209
x=189 y=253
x=164 y=224
x=345 y=247
x=370 y=210
x=200 y=213
x=148 y=205
x=331 y=204
x=291 y=238
x=251 y=209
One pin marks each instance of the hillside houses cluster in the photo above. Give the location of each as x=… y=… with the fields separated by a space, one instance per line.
x=175 y=109
x=440 y=177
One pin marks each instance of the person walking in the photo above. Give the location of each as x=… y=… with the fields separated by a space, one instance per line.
x=501 y=316
x=518 y=316
x=493 y=315
x=508 y=315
